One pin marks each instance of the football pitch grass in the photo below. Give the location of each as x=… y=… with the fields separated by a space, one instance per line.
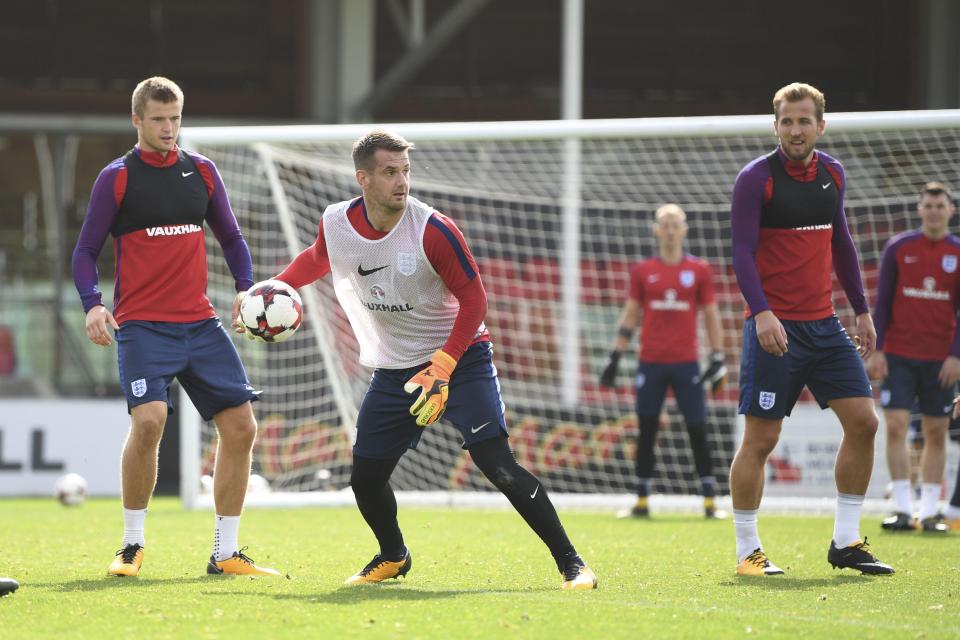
x=476 y=574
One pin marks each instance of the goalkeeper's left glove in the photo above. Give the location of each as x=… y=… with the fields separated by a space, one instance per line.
x=609 y=376
x=433 y=382
x=716 y=373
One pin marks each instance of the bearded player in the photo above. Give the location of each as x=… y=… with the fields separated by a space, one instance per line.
x=412 y=292
x=789 y=231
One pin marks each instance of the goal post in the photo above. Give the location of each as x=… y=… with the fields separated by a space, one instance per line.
x=555 y=212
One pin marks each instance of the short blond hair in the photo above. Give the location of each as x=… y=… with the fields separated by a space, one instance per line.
x=796 y=92
x=366 y=147
x=935 y=190
x=671 y=208
x=156 y=88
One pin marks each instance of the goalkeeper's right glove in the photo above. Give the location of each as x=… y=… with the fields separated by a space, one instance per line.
x=609 y=376
x=716 y=373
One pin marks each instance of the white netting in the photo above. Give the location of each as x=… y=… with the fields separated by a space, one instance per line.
x=507 y=197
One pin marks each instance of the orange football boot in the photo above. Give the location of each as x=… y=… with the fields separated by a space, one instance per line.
x=239 y=564
x=757 y=564
x=577 y=576
x=127 y=562
x=378 y=570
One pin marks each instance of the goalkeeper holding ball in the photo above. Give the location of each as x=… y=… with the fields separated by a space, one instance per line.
x=411 y=289
x=669 y=289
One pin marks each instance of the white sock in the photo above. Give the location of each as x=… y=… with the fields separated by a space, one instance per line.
x=225 y=534
x=846 y=526
x=133 y=526
x=748 y=539
x=928 y=499
x=951 y=512
x=901 y=497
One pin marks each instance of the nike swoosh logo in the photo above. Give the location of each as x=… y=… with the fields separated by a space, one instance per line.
x=475 y=429
x=825 y=186
x=188 y=173
x=909 y=259
x=534 y=494
x=366 y=272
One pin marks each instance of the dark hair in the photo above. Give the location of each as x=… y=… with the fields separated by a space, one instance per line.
x=156 y=88
x=936 y=189
x=365 y=147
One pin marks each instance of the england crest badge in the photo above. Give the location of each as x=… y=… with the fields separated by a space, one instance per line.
x=687 y=278
x=406 y=263
x=949 y=263
x=138 y=387
x=767 y=398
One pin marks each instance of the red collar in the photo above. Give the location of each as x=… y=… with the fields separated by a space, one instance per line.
x=796 y=170
x=156 y=158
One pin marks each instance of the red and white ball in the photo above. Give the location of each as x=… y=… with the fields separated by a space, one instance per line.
x=71 y=490
x=271 y=311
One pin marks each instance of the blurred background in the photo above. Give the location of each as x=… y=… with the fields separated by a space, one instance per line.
x=328 y=61
x=67 y=70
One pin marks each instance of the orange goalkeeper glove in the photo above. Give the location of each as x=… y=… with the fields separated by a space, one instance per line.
x=433 y=382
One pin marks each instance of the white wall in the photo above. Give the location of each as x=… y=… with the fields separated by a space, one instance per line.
x=40 y=440
x=808 y=444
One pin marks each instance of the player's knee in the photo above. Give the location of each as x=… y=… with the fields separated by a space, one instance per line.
x=365 y=484
x=240 y=433
x=497 y=469
x=897 y=425
x=649 y=425
x=864 y=425
x=697 y=431
x=935 y=439
x=760 y=444
x=502 y=477
x=496 y=462
x=146 y=428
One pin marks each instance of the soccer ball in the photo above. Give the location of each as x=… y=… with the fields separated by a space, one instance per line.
x=258 y=484
x=271 y=311
x=71 y=490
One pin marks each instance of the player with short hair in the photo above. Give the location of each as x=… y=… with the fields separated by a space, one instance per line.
x=154 y=201
x=8 y=585
x=411 y=290
x=668 y=290
x=918 y=351
x=788 y=230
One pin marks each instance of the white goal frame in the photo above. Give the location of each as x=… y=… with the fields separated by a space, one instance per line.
x=572 y=130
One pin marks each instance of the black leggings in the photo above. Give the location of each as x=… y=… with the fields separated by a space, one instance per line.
x=370 y=480
x=648 y=440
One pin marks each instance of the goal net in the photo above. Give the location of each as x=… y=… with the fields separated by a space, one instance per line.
x=555 y=213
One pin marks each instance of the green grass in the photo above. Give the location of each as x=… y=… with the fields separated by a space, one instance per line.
x=476 y=574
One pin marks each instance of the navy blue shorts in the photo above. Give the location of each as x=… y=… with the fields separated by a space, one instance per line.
x=198 y=354
x=653 y=380
x=819 y=355
x=910 y=381
x=385 y=428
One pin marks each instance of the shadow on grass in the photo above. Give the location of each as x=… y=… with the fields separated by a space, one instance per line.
x=394 y=592
x=113 y=582
x=784 y=583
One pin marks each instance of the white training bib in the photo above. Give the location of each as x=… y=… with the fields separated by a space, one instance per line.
x=399 y=308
